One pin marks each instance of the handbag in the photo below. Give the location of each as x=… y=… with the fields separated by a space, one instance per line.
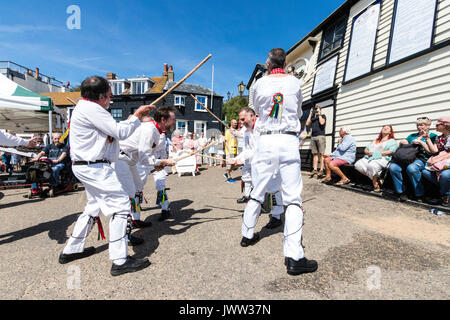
x=406 y=154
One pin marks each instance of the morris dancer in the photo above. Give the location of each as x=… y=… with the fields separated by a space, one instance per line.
x=140 y=148
x=94 y=141
x=247 y=119
x=277 y=100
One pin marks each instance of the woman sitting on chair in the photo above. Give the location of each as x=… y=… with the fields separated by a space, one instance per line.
x=378 y=155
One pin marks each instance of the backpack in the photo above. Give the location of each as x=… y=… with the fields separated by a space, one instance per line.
x=406 y=154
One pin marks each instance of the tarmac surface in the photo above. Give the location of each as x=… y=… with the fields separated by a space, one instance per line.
x=367 y=248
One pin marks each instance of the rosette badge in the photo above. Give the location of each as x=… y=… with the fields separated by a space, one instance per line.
x=277 y=106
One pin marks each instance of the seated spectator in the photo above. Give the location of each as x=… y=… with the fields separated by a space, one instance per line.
x=378 y=155
x=440 y=174
x=58 y=154
x=426 y=145
x=345 y=153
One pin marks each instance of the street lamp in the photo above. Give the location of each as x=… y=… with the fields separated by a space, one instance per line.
x=229 y=95
x=241 y=88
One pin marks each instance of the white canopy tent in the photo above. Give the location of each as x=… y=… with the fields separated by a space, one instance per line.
x=22 y=110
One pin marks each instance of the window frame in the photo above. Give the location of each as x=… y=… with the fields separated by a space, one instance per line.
x=121 y=114
x=203 y=123
x=200 y=108
x=186 y=122
x=332 y=28
x=180 y=104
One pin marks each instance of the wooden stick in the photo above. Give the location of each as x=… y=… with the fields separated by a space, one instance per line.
x=70 y=100
x=196 y=152
x=210 y=112
x=182 y=80
x=312 y=75
x=214 y=158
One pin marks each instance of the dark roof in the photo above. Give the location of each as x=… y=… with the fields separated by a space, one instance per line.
x=190 y=88
x=259 y=67
x=339 y=11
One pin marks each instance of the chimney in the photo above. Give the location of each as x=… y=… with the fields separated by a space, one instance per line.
x=171 y=74
x=36 y=75
x=111 y=76
x=166 y=70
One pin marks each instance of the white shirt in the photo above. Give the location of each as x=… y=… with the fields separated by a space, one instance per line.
x=8 y=140
x=141 y=145
x=160 y=152
x=248 y=148
x=90 y=127
x=264 y=92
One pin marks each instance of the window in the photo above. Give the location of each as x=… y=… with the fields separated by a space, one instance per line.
x=179 y=101
x=333 y=38
x=199 y=128
x=204 y=101
x=117 y=114
x=139 y=87
x=116 y=88
x=182 y=126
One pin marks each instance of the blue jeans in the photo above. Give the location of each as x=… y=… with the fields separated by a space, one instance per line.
x=414 y=171
x=55 y=174
x=443 y=183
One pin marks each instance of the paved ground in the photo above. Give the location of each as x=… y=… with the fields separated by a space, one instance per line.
x=366 y=249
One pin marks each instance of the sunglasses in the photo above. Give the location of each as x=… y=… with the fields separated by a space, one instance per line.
x=423 y=118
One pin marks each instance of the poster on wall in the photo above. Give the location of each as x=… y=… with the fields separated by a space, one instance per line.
x=362 y=42
x=413 y=28
x=325 y=75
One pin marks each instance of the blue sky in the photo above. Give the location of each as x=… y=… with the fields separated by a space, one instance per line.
x=134 y=37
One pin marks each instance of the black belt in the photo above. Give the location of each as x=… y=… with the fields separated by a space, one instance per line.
x=86 y=163
x=292 y=133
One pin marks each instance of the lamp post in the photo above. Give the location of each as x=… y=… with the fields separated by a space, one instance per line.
x=229 y=95
x=241 y=88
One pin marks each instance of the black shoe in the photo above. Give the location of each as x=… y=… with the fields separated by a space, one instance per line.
x=245 y=242
x=66 y=258
x=401 y=197
x=165 y=214
x=142 y=224
x=273 y=223
x=131 y=265
x=303 y=265
x=135 y=241
x=418 y=199
x=1 y=195
x=243 y=200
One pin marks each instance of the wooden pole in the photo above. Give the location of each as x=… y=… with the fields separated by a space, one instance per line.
x=70 y=100
x=196 y=152
x=210 y=112
x=182 y=80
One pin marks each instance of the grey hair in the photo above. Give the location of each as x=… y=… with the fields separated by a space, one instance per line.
x=347 y=130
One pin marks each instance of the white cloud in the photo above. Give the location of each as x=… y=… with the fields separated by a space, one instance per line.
x=21 y=28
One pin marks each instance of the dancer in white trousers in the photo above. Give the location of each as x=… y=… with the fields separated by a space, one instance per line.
x=277 y=100
x=247 y=120
x=140 y=148
x=94 y=141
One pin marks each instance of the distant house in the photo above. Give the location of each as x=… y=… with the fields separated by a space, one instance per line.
x=129 y=94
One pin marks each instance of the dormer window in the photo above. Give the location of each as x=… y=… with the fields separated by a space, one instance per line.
x=117 y=88
x=204 y=101
x=138 y=87
x=179 y=101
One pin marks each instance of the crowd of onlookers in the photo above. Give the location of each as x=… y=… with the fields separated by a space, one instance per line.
x=422 y=155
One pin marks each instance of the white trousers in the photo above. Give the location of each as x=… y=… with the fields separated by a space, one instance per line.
x=160 y=185
x=128 y=176
x=278 y=155
x=104 y=193
x=371 y=168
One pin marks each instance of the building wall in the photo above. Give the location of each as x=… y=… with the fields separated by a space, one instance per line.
x=396 y=95
x=33 y=84
x=128 y=103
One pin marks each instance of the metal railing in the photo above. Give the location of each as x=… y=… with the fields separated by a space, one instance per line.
x=9 y=65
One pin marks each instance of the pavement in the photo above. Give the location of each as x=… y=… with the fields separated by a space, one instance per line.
x=366 y=247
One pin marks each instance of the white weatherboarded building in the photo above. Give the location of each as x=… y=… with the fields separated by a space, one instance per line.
x=372 y=63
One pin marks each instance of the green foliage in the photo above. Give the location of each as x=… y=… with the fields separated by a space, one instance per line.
x=232 y=107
